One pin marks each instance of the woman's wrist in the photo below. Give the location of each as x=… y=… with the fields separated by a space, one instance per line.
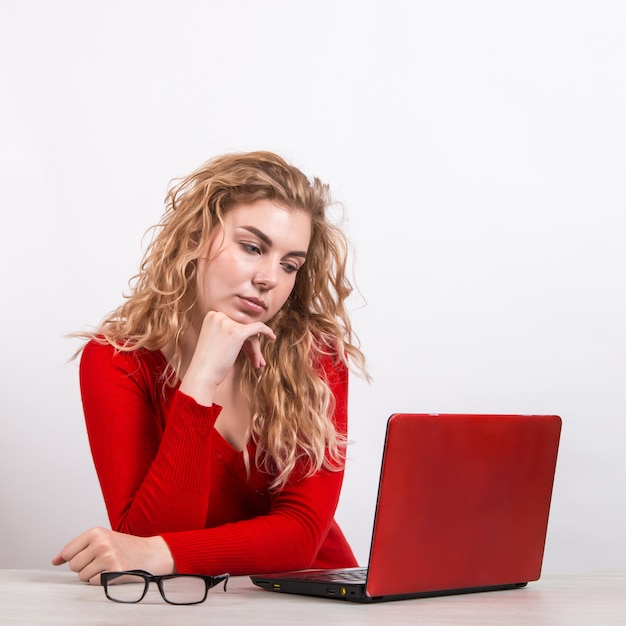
x=160 y=558
x=201 y=391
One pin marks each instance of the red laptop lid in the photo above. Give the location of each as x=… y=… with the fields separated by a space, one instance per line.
x=463 y=502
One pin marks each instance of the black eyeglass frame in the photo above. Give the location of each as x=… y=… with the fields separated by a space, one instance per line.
x=209 y=583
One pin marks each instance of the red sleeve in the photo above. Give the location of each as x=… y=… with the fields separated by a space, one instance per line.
x=153 y=479
x=291 y=535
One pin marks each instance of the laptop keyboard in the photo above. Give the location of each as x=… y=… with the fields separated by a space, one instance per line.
x=353 y=575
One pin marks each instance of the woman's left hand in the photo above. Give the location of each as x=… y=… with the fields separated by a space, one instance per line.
x=99 y=549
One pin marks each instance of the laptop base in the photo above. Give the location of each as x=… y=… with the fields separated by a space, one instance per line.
x=355 y=592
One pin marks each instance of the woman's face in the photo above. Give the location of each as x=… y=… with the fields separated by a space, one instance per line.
x=249 y=266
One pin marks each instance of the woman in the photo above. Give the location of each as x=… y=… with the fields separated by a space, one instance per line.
x=215 y=397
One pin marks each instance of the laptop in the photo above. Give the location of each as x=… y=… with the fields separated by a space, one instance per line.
x=463 y=504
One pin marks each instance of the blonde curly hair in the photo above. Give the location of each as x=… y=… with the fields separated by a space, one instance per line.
x=291 y=405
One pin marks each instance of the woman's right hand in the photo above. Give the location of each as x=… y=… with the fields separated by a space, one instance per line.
x=99 y=550
x=220 y=341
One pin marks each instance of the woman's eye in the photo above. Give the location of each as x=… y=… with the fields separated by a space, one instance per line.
x=290 y=268
x=252 y=248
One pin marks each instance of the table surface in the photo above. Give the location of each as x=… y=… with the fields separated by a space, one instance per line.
x=57 y=597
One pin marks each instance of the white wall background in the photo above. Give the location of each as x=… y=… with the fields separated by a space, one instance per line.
x=479 y=149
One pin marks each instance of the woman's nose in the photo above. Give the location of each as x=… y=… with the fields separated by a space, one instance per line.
x=266 y=276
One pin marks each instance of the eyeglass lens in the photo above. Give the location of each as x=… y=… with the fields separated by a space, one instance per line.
x=187 y=590
x=126 y=588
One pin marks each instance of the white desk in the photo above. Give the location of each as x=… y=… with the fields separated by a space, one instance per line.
x=57 y=597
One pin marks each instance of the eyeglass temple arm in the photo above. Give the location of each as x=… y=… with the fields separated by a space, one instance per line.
x=216 y=580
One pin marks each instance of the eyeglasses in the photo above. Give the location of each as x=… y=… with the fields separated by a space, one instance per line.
x=131 y=586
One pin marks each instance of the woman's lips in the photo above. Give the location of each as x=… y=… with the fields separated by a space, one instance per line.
x=253 y=304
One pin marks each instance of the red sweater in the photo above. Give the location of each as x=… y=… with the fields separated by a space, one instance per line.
x=165 y=470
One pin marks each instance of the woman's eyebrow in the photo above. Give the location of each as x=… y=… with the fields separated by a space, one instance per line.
x=260 y=234
x=268 y=242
